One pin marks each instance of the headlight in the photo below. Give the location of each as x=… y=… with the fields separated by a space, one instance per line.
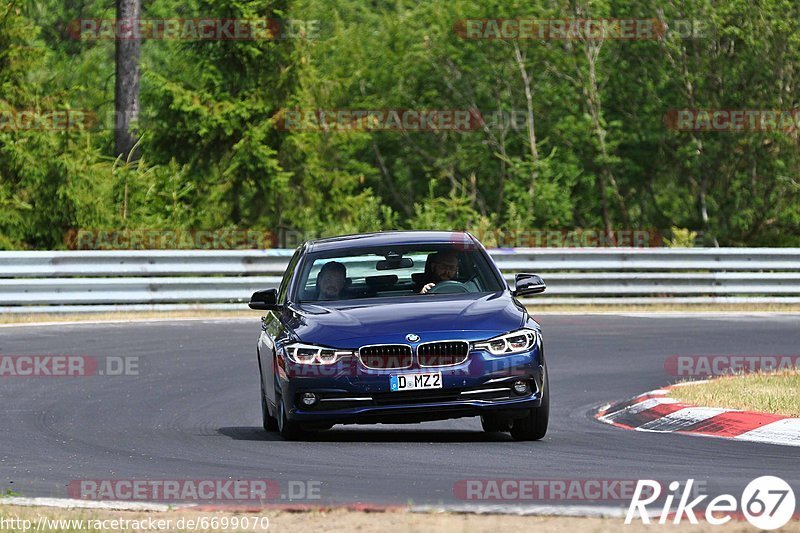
x=515 y=342
x=307 y=354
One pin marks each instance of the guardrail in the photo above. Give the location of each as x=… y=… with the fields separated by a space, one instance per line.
x=181 y=279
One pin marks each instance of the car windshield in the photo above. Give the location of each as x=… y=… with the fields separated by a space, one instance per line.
x=378 y=272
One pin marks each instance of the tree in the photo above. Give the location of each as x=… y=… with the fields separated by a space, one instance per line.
x=127 y=79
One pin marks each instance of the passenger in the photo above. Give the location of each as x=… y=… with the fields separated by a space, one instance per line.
x=440 y=266
x=331 y=280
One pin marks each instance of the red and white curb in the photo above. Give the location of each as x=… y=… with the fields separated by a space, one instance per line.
x=657 y=412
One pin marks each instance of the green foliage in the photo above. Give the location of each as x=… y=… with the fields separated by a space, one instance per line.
x=599 y=155
x=681 y=238
x=443 y=213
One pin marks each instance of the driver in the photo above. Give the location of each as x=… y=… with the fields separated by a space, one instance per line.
x=444 y=267
x=331 y=280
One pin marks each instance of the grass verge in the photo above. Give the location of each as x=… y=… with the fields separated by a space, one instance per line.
x=775 y=392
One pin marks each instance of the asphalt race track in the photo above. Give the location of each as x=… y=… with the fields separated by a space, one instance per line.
x=193 y=413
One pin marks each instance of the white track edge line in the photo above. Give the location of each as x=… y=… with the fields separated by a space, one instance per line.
x=68 y=503
x=583 y=511
x=127 y=321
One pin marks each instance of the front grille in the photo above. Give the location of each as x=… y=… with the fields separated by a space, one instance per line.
x=446 y=353
x=385 y=356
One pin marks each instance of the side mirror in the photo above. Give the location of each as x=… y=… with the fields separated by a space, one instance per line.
x=265 y=300
x=527 y=284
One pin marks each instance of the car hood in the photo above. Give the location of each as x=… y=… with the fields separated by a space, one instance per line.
x=439 y=317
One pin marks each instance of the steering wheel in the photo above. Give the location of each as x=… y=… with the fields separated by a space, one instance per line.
x=448 y=287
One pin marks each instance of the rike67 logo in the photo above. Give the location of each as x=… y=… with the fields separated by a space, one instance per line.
x=767 y=502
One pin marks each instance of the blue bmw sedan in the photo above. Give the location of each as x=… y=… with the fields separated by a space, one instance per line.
x=400 y=327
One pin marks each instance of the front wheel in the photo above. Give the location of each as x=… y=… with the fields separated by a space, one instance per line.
x=289 y=430
x=534 y=426
x=269 y=422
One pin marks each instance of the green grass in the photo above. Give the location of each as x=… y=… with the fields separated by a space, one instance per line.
x=777 y=392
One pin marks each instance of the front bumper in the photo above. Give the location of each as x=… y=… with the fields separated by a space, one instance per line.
x=350 y=393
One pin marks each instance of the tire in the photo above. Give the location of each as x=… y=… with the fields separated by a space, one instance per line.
x=495 y=424
x=269 y=422
x=534 y=426
x=289 y=430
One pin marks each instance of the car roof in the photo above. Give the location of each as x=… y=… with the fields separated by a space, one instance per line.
x=387 y=238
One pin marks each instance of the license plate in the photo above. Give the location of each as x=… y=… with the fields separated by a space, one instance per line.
x=426 y=380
